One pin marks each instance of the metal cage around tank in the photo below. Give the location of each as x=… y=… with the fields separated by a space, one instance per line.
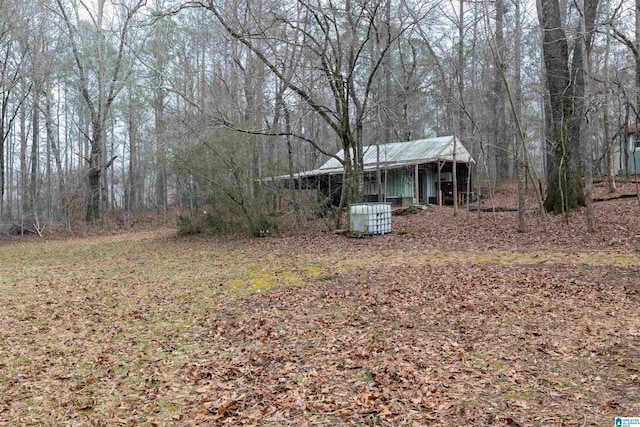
x=369 y=219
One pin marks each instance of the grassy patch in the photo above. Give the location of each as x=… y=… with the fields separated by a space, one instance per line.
x=257 y=278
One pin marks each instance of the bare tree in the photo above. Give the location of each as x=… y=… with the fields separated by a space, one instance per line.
x=336 y=37
x=500 y=145
x=606 y=113
x=521 y=164
x=13 y=55
x=102 y=72
x=159 y=45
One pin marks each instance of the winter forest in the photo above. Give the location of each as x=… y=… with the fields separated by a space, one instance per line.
x=123 y=105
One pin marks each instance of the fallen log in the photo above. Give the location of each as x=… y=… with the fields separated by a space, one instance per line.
x=621 y=196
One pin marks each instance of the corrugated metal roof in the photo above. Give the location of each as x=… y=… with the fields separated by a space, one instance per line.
x=398 y=154
x=408 y=153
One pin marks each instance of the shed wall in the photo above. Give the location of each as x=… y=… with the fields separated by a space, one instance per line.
x=633 y=147
x=400 y=183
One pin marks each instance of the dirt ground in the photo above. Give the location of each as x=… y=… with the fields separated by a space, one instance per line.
x=449 y=320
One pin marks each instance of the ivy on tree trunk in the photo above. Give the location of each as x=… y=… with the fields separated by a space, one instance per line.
x=566 y=83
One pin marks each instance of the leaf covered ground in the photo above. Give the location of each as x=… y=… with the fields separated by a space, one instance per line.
x=447 y=321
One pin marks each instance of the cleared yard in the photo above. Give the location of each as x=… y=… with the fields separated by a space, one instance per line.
x=405 y=329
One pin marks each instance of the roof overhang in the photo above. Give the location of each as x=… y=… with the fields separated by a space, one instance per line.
x=366 y=168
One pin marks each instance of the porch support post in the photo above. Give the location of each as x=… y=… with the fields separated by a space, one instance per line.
x=439 y=184
x=386 y=176
x=416 y=196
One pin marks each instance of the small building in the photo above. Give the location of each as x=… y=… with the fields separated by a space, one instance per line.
x=412 y=172
x=628 y=157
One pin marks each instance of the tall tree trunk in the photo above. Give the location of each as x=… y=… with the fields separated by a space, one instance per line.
x=636 y=53
x=95 y=173
x=49 y=171
x=294 y=198
x=588 y=187
x=132 y=199
x=353 y=174
x=9 y=79
x=2 y=155
x=24 y=198
x=35 y=145
x=55 y=149
x=4 y=135
x=567 y=89
x=386 y=113
x=578 y=83
x=606 y=113
x=521 y=167
x=500 y=141
x=460 y=82
x=161 y=161
x=112 y=203
x=250 y=89
x=561 y=185
x=9 y=183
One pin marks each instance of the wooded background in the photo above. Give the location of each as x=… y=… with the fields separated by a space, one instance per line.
x=132 y=104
